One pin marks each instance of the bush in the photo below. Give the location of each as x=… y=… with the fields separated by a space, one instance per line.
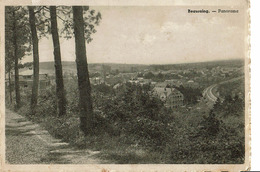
x=47 y=104
x=136 y=112
x=191 y=95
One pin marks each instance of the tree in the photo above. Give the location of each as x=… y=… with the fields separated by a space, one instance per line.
x=64 y=13
x=191 y=95
x=60 y=92
x=218 y=105
x=149 y=75
x=8 y=68
x=16 y=83
x=84 y=29
x=9 y=59
x=210 y=125
x=85 y=101
x=35 y=59
x=16 y=44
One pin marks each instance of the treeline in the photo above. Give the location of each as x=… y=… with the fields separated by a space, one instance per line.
x=208 y=65
x=232 y=88
x=158 y=77
x=230 y=106
x=25 y=25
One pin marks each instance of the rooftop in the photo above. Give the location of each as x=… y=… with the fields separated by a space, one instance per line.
x=30 y=72
x=161 y=91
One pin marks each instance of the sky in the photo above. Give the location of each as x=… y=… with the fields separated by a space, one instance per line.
x=158 y=35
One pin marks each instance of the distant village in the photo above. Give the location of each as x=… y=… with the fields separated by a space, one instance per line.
x=164 y=81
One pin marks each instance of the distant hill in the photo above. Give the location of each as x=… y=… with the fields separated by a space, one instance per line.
x=199 y=65
x=70 y=66
x=66 y=66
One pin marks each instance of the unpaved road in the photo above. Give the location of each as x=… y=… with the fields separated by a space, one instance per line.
x=208 y=94
x=28 y=143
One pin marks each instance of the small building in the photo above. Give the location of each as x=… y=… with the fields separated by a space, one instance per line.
x=96 y=80
x=172 y=97
x=173 y=82
x=161 y=84
x=153 y=83
x=26 y=79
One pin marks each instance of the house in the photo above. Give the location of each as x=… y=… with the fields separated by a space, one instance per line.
x=143 y=81
x=153 y=83
x=26 y=79
x=173 y=82
x=172 y=97
x=96 y=80
x=161 y=84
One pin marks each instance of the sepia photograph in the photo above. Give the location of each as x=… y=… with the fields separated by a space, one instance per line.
x=96 y=84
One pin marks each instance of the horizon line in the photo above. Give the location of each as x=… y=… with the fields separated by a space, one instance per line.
x=148 y=64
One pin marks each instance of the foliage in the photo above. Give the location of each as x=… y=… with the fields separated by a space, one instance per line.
x=133 y=120
x=207 y=139
x=232 y=88
x=230 y=106
x=191 y=95
x=210 y=125
x=90 y=16
x=103 y=88
x=149 y=75
x=155 y=77
x=223 y=130
x=16 y=27
x=137 y=112
x=160 y=77
x=96 y=74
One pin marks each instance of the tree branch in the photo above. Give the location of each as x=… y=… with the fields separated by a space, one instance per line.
x=39 y=10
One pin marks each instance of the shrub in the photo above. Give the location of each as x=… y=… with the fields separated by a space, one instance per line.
x=136 y=112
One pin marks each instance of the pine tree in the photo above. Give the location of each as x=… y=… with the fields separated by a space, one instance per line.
x=85 y=100
x=35 y=43
x=17 y=39
x=60 y=91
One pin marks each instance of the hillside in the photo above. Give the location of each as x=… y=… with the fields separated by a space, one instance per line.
x=70 y=66
x=199 y=65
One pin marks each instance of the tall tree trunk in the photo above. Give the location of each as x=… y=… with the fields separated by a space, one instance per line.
x=10 y=86
x=60 y=92
x=35 y=86
x=85 y=101
x=16 y=70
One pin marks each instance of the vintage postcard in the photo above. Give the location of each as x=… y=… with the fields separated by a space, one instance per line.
x=125 y=86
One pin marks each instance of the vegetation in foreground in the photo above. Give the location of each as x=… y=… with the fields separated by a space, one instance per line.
x=131 y=125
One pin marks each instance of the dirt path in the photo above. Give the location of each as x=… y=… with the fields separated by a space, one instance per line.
x=208 y=93
x=28 y=143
